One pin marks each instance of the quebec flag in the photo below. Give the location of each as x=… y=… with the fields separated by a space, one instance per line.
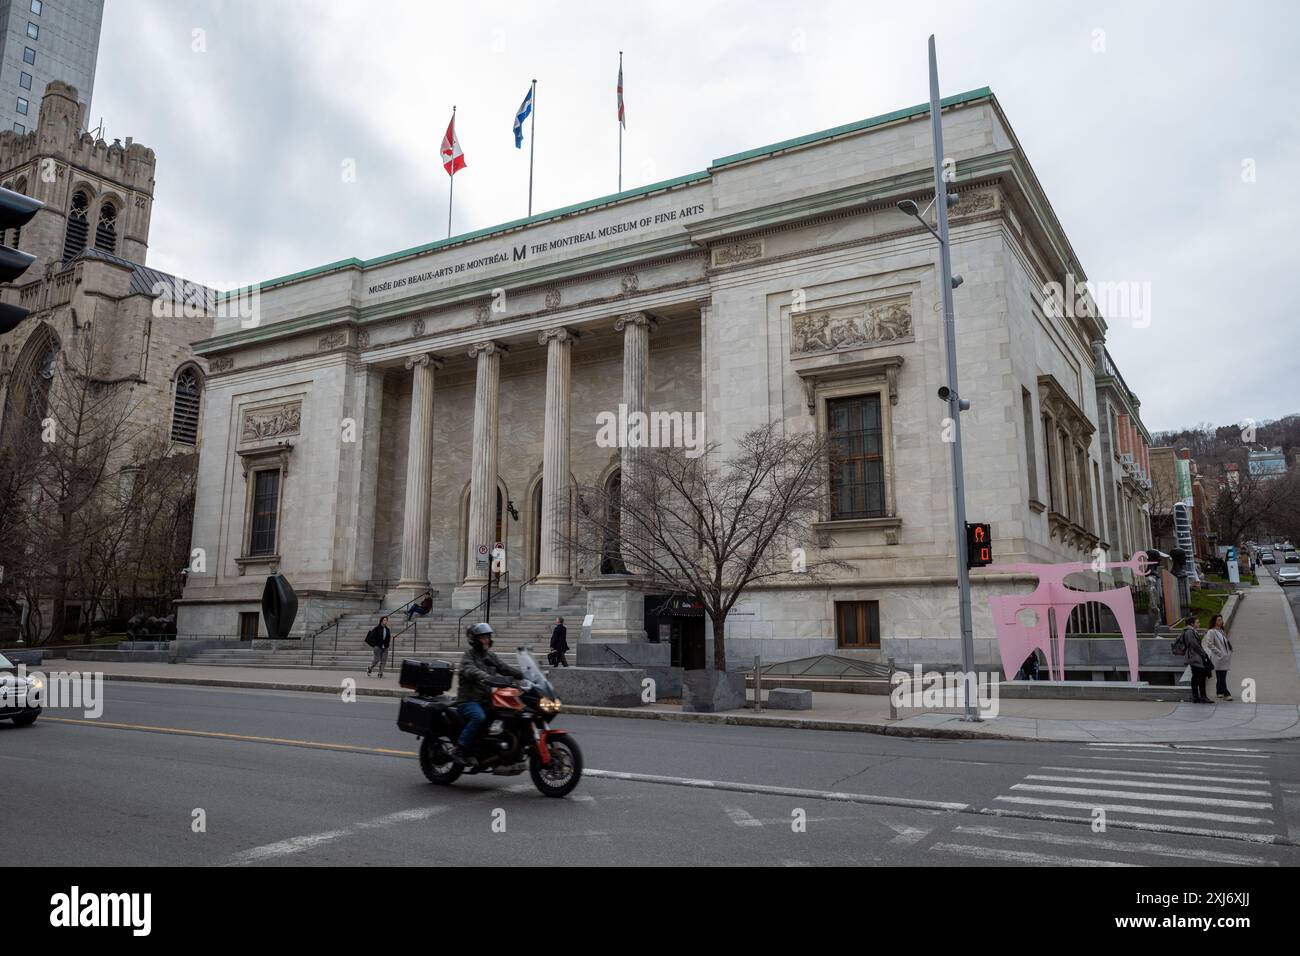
x=525 y=108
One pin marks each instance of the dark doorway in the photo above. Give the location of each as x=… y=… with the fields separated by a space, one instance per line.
x=248 y=625
x=678 y=621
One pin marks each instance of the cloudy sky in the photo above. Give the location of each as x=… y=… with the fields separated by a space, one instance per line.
x=293 y=133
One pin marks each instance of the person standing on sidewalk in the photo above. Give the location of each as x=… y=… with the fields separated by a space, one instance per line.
x=559 y=644
x=1217 y=645
x=1187 y=645
x=379 y=638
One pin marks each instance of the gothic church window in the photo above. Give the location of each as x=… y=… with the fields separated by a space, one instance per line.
x=185 y=408
x=74 y=239
x=106 y=230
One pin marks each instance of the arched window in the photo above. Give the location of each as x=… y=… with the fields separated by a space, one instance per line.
x=106 y=230
x=611 y=561
x=74 y=239
x=185 y=408
x=28 y=401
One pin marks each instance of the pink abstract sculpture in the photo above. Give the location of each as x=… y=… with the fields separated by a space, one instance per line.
x=1052 y=599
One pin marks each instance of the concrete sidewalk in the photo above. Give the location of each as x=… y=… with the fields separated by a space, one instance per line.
x=1059 y=720
x=1265 y=645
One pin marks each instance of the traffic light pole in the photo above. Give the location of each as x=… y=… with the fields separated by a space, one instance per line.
x=954 y=400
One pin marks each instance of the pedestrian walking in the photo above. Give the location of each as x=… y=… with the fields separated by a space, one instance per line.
x=559 y=644
x=420 y=607
x=379 y=638
x=1219 y=648
x=1188 y=646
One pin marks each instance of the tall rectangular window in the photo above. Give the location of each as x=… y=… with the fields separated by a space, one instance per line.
x=29 y=55
x=19 y=128
x=1053 y=499
x=25 y=80
x=22 y=106
x=857 y=624
x=1031 y=452
x=858 y=468
x=33 y=30
x=266 y=506
x=37 y=7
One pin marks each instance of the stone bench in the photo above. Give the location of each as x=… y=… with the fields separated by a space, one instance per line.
x=789 y=698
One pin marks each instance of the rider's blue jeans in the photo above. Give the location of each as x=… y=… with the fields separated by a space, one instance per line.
x=474 y=716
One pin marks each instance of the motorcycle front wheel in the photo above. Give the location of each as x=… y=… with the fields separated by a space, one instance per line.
x=561 y=775
x=436 y=762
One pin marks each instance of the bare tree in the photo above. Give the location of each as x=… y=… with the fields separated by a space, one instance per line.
x=711 y=528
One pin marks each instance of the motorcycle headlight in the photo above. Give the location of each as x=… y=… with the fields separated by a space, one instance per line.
x=550 y=705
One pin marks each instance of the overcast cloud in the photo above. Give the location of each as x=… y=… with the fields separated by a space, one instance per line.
x=1139 y=148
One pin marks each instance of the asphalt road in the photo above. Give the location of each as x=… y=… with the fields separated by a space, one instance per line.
x=308 y=779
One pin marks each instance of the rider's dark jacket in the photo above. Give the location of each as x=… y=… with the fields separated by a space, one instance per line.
x=476 y=666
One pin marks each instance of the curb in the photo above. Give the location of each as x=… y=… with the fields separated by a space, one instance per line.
x=735 y=720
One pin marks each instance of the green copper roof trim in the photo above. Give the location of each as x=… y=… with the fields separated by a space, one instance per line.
x=355 y=263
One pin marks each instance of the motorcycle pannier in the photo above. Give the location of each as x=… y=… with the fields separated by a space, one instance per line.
x=426 y=677
x=416 y=715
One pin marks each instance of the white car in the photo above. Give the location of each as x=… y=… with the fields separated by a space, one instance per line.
x=1288 y=574
x=18 y=694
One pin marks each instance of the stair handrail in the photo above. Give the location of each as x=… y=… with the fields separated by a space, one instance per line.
x=520 y=600
x=487 y=588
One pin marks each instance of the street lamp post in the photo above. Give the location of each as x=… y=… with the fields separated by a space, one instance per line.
x=949 y=394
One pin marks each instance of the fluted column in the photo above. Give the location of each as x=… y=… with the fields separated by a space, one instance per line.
x=483 y=467
x=554 y=565
x=419 y=474
x=635 y=327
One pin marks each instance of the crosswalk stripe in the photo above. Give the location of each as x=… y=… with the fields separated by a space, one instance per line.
x=1155 y=849
x=1109 y=745
x=1189 y=756
x=1128 y=808
x=1161 y=776
x=1149 y=784
x=741 y=818
x=1119 y=823
x=1181 y=764
x=1019 y=856
x=1155 y=797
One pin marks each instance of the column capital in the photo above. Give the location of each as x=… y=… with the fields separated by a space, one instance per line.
x=560 y=334
x=634 y=318
x=422 y=360
x=486 y=348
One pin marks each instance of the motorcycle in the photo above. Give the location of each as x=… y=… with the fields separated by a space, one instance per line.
x=518 y=734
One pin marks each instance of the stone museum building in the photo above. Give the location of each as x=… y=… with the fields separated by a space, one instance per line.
x=380 y=426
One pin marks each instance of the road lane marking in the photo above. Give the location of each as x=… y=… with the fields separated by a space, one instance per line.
x=1178 y=764
x=1149 y=784
x=1153 y=797
x=1113 y=746
x=742 y=818
x=1019 y=856
x=907 y=836
x=1160 y=776
x=301 y=844
x=1126 y=808
x=1155 y=849
x=1241 y=836
x=248 y=738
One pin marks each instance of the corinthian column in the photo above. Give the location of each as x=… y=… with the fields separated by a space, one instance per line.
x=635 y=327
x=483 y=470
x=419 y=476
x=554 y=582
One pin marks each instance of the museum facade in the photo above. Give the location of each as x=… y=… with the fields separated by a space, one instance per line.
x=379 y=427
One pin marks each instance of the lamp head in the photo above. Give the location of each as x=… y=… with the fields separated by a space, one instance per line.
x=908 y=206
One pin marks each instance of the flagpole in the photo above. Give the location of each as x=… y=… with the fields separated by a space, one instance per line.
x=620 y=122
x=452 y=190
x=532 y=136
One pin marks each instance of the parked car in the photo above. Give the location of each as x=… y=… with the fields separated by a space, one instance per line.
x=1288 y=574
x=17 y=694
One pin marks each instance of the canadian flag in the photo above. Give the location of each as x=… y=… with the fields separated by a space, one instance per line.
x=452 y=157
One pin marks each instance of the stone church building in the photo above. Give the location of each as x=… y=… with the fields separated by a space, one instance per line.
x=94 y=305
x=383 y=424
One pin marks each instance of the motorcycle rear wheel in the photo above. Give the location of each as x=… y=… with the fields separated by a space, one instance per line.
x=561 y=775
x=436 y=762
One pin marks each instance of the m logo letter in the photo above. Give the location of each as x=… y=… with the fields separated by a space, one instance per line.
x=521 y=252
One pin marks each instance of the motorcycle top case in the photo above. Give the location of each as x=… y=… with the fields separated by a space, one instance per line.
x=426 y=677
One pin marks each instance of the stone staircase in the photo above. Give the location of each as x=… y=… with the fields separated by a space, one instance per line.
x=436 y=635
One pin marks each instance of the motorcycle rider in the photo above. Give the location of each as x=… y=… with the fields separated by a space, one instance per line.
x=477 y=666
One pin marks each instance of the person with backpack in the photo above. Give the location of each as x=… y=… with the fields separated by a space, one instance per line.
x=1219 y=649
x=1187 y=645
x=379 y=638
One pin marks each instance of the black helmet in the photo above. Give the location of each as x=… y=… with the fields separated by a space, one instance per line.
x=476 y=632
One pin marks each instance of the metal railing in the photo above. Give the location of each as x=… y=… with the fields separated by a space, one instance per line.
x=486 y=602
x=519 y=601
